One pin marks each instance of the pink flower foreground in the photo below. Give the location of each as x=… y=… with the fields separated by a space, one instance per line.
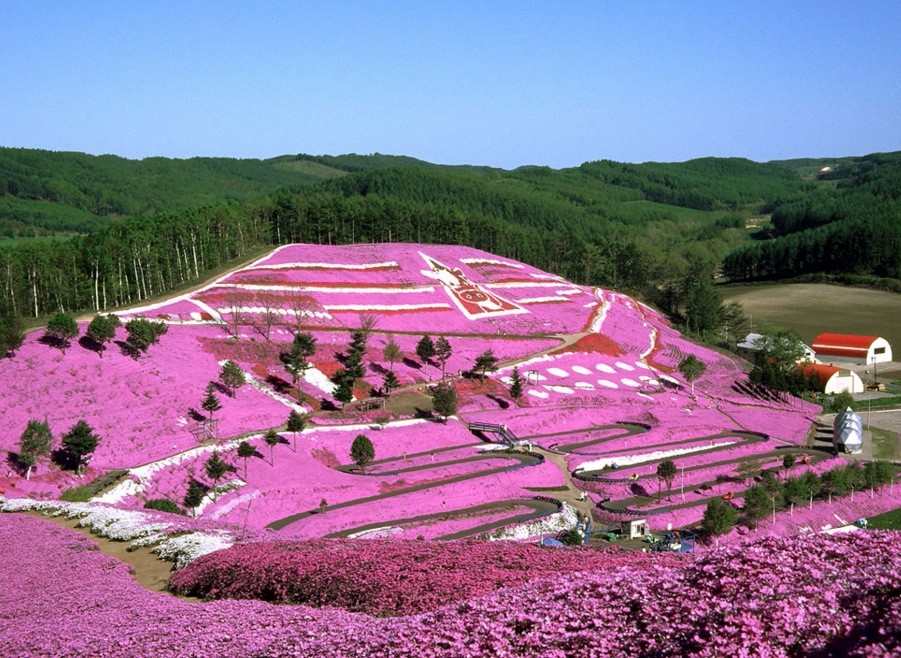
x=813 y=596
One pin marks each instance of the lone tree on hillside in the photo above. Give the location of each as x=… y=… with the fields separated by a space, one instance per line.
x=296 y=423
x=143 y=333
x=516 y=384
x=34 y=444
x=80 y=441
x=353 y=362
x=12 y=333
x=691 y=368
x=210 y=402
x=485 y=362
x=719 y=517
x=389 y=382
x=362 y=451
x=344 y=387
x=194 y=495
x=102 y=330
x=391 y=352
x=296 y=359
x=61 y=329
x=245 y=452
x=666 y=471
x=444 y=400
x=443 y=352
x=232 y=377
x=425 y=350
x=215 y=470
x=272 y=439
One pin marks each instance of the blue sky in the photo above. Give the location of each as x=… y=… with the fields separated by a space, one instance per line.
x=503 y=84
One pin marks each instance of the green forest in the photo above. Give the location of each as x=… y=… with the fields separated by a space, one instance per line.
x=96 y=232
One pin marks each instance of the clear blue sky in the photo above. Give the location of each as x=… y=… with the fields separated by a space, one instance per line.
x=485 y=82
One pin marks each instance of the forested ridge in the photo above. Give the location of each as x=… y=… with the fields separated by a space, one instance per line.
x=648 y=228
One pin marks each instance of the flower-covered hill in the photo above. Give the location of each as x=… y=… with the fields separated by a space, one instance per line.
x=593 y=361
x=815 y=596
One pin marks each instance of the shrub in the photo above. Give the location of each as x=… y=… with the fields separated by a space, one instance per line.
x=77 y=495
x=164 y=505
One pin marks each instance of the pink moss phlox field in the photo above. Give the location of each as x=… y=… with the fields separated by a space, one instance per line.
x=813 y=596
x=139 y=407
x=382 y=577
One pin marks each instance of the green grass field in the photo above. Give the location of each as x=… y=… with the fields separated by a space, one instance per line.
x=814 y=308
x=888 y=521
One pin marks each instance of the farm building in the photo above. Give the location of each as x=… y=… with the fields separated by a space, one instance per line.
x=753 y=346
x=852 y=348
x=847 y=432
x=833 y=379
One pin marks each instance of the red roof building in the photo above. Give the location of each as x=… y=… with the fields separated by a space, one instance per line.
x=834 y=380
x=850 y=347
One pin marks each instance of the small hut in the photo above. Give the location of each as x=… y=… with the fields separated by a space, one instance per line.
x=635 y=529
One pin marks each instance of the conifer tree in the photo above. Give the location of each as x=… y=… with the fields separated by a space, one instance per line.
x=272 y=439
x=443 y=352
x=232 y=377
x=80 y=441
x=210 y=402
x=362 y=451
x=516 y=384
x=245 y=452
x=296 y=423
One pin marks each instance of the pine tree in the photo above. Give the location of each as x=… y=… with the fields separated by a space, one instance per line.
x=245 y=452
x=486 y=362
x=344 y=387
x=425 y=349
x=215 y=470
x=362 y=451
x=232 y=376
x=389 y=382
x=102 y=330
x=443 y=352
x=194 y=495
x=296 y=423
x=666 y=471
x=296 y=360
x=272 y=439
x=691 y=368
x=34 y=443
x=210 y=402
x=80 y=441
x=719 y=517
x=444 y=400
x=61 y=329
x=516 y=384
x=391 y=352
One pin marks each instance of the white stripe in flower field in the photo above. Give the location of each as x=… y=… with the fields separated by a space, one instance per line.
x=624 y=366
x=541 y=300
x=643 y=365
x=570 y=291
x=557 y=372
x=606 y=383
x=603 y=367
x=631 y=460
x=540 y=394
x=630 y=382
x=601 y=314
x=385 y=307
x=523 y=284
x=582 y=370
x=491 y=261
x=325 y=266
x=253 y=310
x=375 y=290
x=565 y=390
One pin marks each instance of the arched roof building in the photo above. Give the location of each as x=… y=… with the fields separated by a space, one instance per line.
x=852 y=348
x=833 y=379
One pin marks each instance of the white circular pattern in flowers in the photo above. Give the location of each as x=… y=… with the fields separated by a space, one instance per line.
x=624 y=366
x=582 y=370
x=630 y=382
x=606 y=383
x=566 y=390
x=603 y=367
x=557 y=372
